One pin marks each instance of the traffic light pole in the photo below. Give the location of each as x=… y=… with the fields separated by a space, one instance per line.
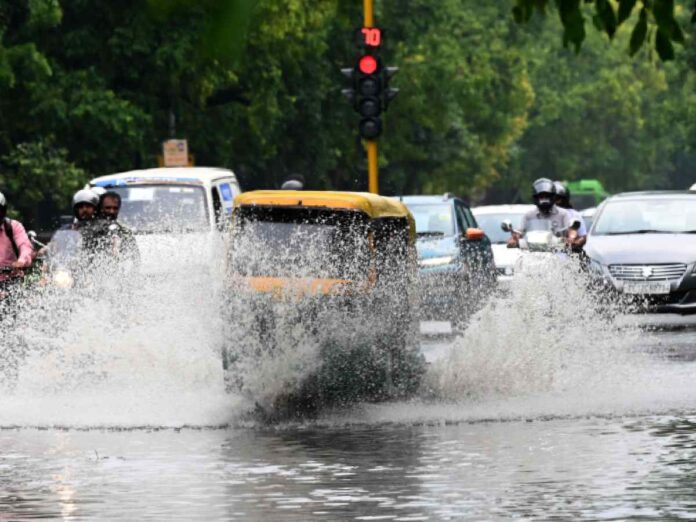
x=372 y=162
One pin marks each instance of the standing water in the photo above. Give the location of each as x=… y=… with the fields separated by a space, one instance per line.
x=114 y=406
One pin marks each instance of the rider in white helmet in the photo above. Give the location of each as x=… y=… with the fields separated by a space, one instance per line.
x=84 y=204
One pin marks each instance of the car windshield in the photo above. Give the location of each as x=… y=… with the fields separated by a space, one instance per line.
x=657 y=215
x=315 y=250
x=490 y=223
x=163 y=208
x=433 y=219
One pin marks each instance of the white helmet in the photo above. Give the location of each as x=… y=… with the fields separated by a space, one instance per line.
x=292 y=184
x=99 y=191
x=85 y=196
x=3 y=201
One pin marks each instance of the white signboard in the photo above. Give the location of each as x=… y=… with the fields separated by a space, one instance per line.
x=175 y=153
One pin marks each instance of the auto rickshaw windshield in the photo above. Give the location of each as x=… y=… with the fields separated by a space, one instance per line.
x=301 y=244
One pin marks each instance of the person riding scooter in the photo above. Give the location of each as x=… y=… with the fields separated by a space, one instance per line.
x=563 y=201
x=559 y=220
x=16 y=251
x=15 y=247
x=109 y=208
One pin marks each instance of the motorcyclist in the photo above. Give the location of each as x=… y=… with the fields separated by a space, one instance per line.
x=15 y=247
x=16 y=253
x=109 y=208
x=544 y=196
x=563 y=201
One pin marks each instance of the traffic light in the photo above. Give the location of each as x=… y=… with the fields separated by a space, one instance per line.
x=369 y=92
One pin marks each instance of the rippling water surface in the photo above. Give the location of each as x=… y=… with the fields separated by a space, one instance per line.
x=591 y=468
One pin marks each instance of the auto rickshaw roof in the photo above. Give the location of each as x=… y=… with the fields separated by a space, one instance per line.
x=371 y=204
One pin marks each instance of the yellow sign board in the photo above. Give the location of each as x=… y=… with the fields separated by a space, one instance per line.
x=175 y=153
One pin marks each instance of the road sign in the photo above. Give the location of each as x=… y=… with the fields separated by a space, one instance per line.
x=175 y=153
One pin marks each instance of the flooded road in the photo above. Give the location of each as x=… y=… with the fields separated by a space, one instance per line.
x=608 y=455
x=117 y=410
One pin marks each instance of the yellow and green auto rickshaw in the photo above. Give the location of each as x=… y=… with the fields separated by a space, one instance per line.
x=343 y=266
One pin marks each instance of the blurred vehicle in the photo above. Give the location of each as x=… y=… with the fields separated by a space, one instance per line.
x=540 y=244
x=643 y=247
x=457 y=270
x=588 y=216
x=328 y=257
x=173 y=199
x=586 y=193
x=489 y=219
x=163 y=204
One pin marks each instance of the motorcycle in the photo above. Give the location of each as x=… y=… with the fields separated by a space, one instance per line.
x=63 y=262
x=540 y=243
x=10 y=279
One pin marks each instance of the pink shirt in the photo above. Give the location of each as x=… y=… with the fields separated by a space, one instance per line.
x=7 y=256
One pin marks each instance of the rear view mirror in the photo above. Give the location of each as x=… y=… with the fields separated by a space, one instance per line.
x=475 y=234
x=506 y=225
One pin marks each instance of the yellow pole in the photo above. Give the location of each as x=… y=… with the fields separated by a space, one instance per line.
x=368 y=13
x=372 y=168
x=372 y=163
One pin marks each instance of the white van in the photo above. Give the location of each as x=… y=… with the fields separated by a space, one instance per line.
x=173 y=199
x=176 y=213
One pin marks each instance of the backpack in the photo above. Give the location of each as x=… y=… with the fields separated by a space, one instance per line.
x=7 y=222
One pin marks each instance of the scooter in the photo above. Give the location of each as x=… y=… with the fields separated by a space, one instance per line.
x=540 y=244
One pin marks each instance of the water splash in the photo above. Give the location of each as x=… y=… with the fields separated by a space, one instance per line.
x=547 y=334
x=118 y=351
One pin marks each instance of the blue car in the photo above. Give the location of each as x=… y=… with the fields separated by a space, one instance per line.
x=456 y=267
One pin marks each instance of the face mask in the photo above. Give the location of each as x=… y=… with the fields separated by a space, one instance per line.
x=544 y=204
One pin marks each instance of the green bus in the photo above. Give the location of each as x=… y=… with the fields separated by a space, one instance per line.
x=586 y=193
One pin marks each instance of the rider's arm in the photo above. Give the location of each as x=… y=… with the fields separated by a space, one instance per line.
x=514 y=241
x=26 y=251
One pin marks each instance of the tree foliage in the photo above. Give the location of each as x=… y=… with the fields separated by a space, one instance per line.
x=90 y=87
x=608 y=15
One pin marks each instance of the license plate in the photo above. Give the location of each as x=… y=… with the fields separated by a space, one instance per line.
x=647 y=287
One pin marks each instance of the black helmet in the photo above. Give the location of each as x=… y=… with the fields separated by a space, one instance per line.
x=544 y=194
x=561 y=190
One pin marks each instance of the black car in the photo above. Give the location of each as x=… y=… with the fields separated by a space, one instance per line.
x=642 y=246
x=455 y=258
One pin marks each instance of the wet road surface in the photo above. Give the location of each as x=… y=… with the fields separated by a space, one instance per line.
x=620 y=450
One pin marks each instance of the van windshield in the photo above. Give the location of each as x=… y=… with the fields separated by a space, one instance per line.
x=164 y=208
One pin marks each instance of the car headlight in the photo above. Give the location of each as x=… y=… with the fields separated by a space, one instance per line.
x=436 y=261
x=596 y=268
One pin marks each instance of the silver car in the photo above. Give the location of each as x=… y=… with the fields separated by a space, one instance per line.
x=642 y=245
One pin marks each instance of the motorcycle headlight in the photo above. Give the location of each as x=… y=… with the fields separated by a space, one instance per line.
x=436 y=261
x=63 y=279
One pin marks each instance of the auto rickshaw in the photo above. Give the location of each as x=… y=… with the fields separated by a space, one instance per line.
x=342 y=265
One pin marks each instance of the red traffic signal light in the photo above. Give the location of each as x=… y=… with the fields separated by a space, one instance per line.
x=368 y=64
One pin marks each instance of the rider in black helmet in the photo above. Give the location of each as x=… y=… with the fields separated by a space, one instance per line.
x=544 y=196
x=563 y=201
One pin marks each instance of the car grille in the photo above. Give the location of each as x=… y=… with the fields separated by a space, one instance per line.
x=647 y=272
